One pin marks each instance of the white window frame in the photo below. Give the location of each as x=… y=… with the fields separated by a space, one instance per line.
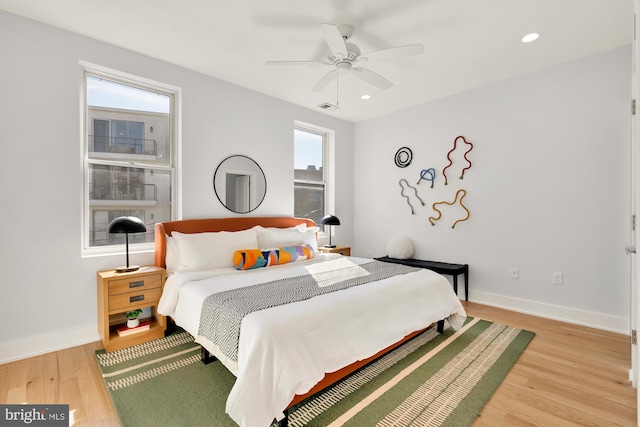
x=328 y=166
x=174 y=166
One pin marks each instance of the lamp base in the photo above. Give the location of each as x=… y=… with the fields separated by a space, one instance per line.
x=329 y=246
x=127 y=269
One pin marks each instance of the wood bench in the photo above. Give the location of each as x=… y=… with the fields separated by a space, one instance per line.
x=439 y=267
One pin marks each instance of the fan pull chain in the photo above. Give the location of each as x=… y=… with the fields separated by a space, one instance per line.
x=338 y=90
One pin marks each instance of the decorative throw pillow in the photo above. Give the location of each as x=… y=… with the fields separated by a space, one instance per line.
x=247 y=259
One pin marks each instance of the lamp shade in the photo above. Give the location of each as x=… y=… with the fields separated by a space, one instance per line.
x=330 y=220
x=127 y=224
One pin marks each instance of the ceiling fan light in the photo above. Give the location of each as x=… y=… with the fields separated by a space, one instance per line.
x=530 y=37
x=343 y=67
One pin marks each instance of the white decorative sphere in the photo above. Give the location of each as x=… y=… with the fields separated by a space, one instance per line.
x=400 y=247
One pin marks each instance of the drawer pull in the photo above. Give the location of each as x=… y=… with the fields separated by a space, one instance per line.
x=136 y=298
x=136 y=284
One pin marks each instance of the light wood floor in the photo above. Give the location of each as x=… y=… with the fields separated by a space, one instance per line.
x=568 y=376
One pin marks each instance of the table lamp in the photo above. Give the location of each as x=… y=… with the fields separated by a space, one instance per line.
x=330 y=220
x=126 y=225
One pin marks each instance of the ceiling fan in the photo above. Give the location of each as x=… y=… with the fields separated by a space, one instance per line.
x=344 y=55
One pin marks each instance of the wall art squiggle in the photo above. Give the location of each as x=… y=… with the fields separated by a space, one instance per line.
x=407 y=197
x=403 y=157
x=455 y=143
x=436 y=218
x=427 y=175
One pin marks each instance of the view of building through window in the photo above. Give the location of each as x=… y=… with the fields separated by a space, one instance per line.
x=128 y=164
x=309 y=174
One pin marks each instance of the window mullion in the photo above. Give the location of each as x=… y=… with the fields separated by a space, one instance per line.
x=128 y=164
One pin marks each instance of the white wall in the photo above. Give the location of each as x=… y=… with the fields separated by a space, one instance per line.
x=548 y=190
x=47 y=291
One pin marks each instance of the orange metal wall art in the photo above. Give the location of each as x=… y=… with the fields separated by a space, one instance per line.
x=436 y=218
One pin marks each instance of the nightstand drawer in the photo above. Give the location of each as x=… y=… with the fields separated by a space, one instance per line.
x=134 y=284
x=141 y=298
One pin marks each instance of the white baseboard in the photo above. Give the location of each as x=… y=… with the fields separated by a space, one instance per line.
x=45 y=343
x=605 y=322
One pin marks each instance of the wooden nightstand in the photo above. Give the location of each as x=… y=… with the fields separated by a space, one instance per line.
x=343 y=250
x=120 y=292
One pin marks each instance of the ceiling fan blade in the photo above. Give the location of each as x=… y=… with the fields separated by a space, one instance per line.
x=324 y=81
x=334 y=40
x=394 y=53
x=372 y=78
x=297 y=63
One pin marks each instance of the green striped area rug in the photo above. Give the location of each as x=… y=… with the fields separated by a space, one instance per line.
x=433 y=380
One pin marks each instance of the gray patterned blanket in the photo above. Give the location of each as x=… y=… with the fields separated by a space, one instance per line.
x=223 y=312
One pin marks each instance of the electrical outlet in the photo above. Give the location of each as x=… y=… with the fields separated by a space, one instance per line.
x=557 y=278
x=515 y=273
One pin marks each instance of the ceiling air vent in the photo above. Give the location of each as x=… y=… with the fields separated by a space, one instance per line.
x=328 y=107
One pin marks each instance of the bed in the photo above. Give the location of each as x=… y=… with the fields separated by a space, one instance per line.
x=280 y=347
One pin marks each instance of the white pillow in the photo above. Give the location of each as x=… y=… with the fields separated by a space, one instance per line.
x=273 y=237
x=172 y=257
x=202 y=251
x=400 y=247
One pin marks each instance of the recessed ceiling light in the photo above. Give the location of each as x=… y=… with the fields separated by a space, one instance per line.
x=365 y=97
x=530 y=37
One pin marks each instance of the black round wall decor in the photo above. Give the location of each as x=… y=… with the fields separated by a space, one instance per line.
x=404 y=157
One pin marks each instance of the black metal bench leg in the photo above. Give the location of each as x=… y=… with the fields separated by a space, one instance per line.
x=440 y=327
x=455 y=283
x=466 y=283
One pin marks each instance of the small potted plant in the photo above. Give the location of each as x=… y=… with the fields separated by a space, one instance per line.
x=132 y=318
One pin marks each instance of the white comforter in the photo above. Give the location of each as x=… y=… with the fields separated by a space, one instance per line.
x=286 y=350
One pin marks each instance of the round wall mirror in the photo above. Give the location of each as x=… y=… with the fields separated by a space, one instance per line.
x=239 y=184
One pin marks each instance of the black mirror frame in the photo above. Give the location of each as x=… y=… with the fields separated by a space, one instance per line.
x=263 y=177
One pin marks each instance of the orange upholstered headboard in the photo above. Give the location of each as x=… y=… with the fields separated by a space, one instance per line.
x=189 y=226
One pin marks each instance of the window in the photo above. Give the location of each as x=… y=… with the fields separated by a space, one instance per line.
x=313 y=172
x=129 y=155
